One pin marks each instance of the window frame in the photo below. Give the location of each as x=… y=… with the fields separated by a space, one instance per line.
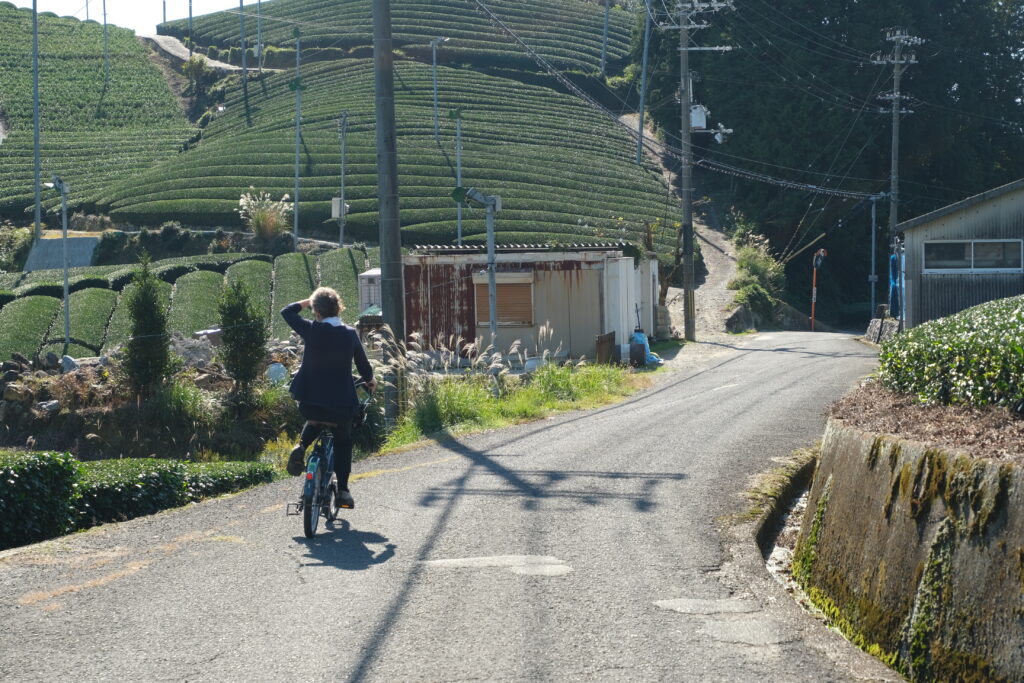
x=972 y=270
x=518 y=278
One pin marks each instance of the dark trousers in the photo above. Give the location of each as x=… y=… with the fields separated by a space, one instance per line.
x=342 y=436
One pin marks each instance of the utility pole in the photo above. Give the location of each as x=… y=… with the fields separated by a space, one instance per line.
x=64 y=190
x=298 y=87
x=35 y=119
x=604 y=38
x=900 y=63
x=245 y=65
x=457 y=115
x=259 y=34
x=643 y=87
x=392 y=280
x=873 y=278
x=342 y=208
x=165 y=11
x=687 y=10
x=433 y=50
x=493 y=205
x=106 y=47
x=190 y=38
x=87 y=10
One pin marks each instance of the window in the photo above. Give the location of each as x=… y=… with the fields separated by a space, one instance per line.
x=974 y=256
x=513 y=299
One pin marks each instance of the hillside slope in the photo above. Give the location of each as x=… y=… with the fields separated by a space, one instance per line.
x=564 y=171
x=92 y=132
x=567 y=32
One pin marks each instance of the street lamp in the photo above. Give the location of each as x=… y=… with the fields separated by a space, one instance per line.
x=433 y=49
x=493 y=204
x=64 y=190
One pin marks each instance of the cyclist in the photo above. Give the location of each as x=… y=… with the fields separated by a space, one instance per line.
x=324 y=386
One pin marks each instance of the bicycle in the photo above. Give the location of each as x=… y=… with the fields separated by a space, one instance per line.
x=320 y=485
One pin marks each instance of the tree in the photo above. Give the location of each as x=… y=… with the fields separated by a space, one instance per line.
x=244 y=336
x=147 y=355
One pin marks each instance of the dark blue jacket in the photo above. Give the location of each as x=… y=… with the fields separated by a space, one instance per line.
x=325 y=376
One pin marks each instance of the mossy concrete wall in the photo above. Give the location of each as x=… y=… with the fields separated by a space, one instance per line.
x=917 y=554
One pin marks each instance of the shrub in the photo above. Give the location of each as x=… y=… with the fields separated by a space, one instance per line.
x=217 y=478
x=975 y=357
x=116 y=490
x=15 y=244
x=6 y=297
x=758 y=301
x=243 y=334
x=35 y=496
x=265 y=217
x=147 y=355
x=24 y=323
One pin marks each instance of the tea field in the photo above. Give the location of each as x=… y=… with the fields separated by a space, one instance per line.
x=567 y=32
x=565 y=172
x=92 y=131
x=32 y=318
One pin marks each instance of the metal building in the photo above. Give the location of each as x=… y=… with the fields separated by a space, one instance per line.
x=964 y=254
x=575 y=292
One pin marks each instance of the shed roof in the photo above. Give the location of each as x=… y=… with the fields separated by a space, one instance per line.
x=961 y=205
x=516 y=248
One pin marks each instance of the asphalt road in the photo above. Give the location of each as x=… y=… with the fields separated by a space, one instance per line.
x=590 y=546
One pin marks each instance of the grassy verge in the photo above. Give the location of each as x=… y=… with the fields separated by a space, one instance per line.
x=458 y=405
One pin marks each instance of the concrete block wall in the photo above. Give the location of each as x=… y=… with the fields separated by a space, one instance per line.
x=917 y=554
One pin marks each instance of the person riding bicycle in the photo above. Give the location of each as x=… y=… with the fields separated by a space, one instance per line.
x=324 y=386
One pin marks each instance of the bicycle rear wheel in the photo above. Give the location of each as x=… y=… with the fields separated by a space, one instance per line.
x=331 y=504
x=311 y=505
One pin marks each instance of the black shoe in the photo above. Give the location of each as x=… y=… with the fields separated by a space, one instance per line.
x=297 y=461
x=345 y=500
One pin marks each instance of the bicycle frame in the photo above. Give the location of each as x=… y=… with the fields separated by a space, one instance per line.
x=323 y=446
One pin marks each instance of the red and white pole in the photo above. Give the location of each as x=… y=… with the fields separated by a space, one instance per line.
x=819 y=256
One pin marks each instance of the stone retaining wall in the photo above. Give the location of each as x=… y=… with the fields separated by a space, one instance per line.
x=917 y=554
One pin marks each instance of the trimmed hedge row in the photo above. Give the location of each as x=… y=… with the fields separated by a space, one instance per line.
x=24 y=323
x=340 y=270
x=120 y=326
x=43 y=495
x=975 y=357
x=194 y=302
x=258 y=278
x=295 y=278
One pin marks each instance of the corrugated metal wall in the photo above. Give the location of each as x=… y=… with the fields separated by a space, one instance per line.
x=931 y=296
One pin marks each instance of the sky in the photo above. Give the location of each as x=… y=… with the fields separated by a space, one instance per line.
x=140 y=15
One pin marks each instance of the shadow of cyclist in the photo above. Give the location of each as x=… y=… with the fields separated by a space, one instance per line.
x=343 y=547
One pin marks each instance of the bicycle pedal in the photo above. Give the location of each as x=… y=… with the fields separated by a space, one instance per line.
x=293 y=509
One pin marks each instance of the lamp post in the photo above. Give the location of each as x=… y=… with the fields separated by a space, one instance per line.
x=457 y=115
x=433 y=49
x=64 y=190
x=492 y=202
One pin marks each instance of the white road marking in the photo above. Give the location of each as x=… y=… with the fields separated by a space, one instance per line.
x=698 y=606
x=527 y=565
x=727 y=386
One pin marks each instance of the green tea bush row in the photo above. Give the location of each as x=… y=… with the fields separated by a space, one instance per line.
x=340 y=270
x=194 y=302
x=295 y=278
x=24 y=323
x=975 y=357
x=35 y=496
x=90 y=311
x=258 y=277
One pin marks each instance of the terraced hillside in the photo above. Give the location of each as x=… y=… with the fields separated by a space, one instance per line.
x=32 y=319
x=567 y=32
x=92 y=133
x=564 y=171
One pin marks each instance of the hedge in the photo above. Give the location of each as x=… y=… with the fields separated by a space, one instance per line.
x=36 y=491
x=24 y=323
x=120 y=326
x=340 y=269
x=43 y=495
x=295 y=278
x=194 y=302
x=258 y=277
x=975 y=357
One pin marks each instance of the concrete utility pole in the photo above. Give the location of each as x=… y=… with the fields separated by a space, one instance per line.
x=434 y=44
x=297 y=86
x=87 y=10
x=165 y=11
x=35 y=120
x=457 y=115
x=643 y=88
x=392 y=278
x=687 y=10
x=64 y=190
x=900 y=62
x=873 y=278
x=492 y=203
x=604 y=38
x=259 y=35
x=106 y=47
x=190 y=38
x=343 y=208
x=245 y=65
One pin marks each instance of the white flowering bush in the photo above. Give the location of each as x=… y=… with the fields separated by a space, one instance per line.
x=264 y=216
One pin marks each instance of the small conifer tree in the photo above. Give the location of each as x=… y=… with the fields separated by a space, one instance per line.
x=243 y=335
x=147 y=355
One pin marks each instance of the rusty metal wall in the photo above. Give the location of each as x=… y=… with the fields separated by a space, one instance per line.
x=932 y=295
x=439 y=301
